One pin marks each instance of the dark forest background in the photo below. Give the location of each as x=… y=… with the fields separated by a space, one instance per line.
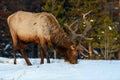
x=104 y=20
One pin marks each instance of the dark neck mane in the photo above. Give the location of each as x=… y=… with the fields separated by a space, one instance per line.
x=59 y=38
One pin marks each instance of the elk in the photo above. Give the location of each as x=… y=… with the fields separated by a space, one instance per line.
x=43 y=29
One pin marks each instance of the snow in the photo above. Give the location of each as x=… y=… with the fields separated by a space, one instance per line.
x=59 y=70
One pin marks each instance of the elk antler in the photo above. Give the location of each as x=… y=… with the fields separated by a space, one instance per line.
x=81 y=48
x=73 y=32
x=87 y=23
x=75 y=35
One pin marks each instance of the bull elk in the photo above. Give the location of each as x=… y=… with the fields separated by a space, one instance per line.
x=41 y=28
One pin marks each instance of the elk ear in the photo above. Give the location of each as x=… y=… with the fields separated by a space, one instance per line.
x=78 y=47
x=72 y=47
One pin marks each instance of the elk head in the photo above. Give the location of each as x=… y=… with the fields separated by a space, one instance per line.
x=73 y=56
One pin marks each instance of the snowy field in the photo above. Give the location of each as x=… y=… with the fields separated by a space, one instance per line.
x=59 y=70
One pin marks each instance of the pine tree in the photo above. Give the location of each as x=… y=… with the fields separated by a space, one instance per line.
x=56 y=7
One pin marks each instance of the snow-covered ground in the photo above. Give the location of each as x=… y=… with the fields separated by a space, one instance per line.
x=60 y=70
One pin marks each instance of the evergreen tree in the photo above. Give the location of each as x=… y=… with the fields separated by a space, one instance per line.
x=56 y=7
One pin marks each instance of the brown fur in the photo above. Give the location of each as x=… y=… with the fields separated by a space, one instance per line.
x=41 y=28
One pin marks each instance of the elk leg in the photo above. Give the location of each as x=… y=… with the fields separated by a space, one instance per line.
x=45 y=52
x=15 y=45
x=24 y=54
x=47 y=56
x=15 y=56
x=41 y=56
x=15 y=51
x=66 y=59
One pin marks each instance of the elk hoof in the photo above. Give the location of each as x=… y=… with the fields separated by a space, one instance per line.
x=48 y=61
x=14 y=62
x=41 y=62
x=29 y=64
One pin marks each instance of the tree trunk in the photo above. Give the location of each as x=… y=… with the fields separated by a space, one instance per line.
x=55 y=55
x=119 y=55
x=90 y=50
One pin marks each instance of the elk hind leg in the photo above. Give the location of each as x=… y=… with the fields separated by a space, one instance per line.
x=15 y=45
x=24 y=54
x=15 y=51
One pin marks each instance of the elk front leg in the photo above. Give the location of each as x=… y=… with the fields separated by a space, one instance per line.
x=41 y=56
x=44 y=49
x=46 y=53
